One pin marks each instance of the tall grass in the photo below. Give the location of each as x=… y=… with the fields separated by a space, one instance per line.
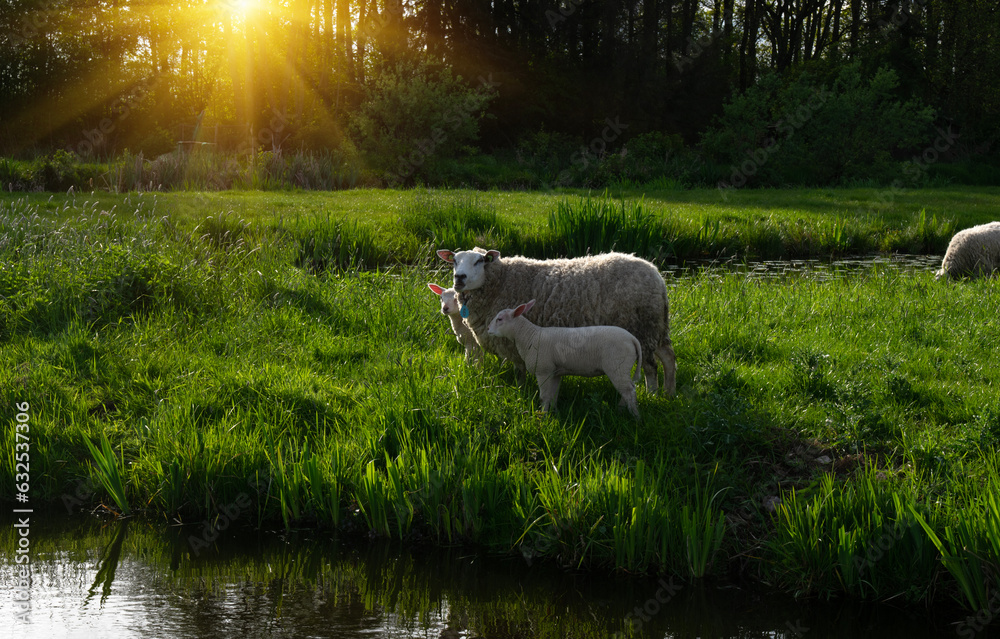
x=599 y=225
x=207 y=171
x=457 y=223
x=970 y=546
x=338 y=245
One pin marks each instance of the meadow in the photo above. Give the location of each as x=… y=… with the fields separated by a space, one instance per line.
x=244 y=358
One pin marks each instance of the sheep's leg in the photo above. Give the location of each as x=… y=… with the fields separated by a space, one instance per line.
x=649 y=368
x=665 y=353
x=548 y=391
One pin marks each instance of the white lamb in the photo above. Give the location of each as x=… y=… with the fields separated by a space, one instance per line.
x=450 y=307
x=973 y=251
x=552 y=352
x=612 y=289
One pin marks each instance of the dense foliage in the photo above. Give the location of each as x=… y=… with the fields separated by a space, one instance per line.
x=324 y=77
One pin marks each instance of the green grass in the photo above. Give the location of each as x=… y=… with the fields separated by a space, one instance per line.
x=696 y=224
x=225 y=368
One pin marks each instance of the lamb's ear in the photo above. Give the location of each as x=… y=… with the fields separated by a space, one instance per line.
x=437 y=289
x=520 y=310
x=446 y=255
x=492 y=256
x=528 y=305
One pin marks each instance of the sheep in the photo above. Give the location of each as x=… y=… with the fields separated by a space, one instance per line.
x=613 y=289
x=552 y=352
x=973 y=251
x=449 y=306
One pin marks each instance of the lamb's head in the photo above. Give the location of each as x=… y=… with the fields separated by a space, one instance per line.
x=449 y=300
x=470 y=266
x=504 y=322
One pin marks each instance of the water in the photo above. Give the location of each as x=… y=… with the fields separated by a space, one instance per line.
x=815 y=268
x=94 y=579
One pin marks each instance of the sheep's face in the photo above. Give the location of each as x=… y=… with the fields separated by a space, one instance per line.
x=470 y=267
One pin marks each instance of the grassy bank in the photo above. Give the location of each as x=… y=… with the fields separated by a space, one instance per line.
x=241 y=373
x=392 y=227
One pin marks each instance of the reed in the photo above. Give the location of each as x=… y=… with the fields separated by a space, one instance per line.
x=110 y=471
x=373 y=501
x=703 y=527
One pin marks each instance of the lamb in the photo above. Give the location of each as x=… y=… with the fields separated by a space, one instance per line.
x=974 y=251
x=449 y=306
x=552 y=352
x=613 y=289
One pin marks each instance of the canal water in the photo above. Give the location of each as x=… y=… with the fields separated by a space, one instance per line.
x=821 y=269
x=92 y=579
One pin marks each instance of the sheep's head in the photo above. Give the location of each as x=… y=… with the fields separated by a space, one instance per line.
x=503 y=323
x=449 y=300
x=470 y=266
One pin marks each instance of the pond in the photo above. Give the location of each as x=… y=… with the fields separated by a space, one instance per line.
x=92 y=578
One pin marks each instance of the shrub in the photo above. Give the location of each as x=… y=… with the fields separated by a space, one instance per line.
x=651 y=155
x=415 y=114
x=15 y=176
x=805 y=132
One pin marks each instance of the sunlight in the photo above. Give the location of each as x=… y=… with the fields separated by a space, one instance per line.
x=243 y=8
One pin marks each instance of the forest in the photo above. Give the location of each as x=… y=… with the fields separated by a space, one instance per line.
x=560 y=92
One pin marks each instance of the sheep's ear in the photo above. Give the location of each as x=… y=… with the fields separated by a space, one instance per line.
x=492 y=255
x=437 y=289
x=446 y=255
x=528 y=305
x=522 y=308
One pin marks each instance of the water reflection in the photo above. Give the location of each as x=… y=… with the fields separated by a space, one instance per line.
x=93 y=579
x=815 y=268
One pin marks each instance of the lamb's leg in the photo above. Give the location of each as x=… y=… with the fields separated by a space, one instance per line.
x=548 y=391
x=522 y=376
x=665 y=353
x=471 y=352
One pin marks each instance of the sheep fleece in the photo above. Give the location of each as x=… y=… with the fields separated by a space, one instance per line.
x=614 y=289
x=972 y=251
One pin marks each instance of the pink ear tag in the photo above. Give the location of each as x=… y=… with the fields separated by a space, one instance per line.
x=464 y=312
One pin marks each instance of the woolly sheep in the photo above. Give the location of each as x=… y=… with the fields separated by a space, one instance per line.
x=974 y=251
x=552 y=352
x=613 y=289
x=449 y=307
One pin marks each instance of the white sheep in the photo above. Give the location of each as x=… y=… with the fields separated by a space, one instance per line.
x=553 y=352
x=611 y=289
x=450 y=307
x=973 y=251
